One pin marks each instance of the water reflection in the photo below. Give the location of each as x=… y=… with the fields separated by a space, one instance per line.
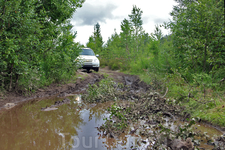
x=27 y=127
x=71 y=126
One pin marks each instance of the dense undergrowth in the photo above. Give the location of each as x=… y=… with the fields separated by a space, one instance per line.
x=37 y=45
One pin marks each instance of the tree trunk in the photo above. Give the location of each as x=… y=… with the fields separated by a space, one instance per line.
x=204 y=61
x=10 y=85
x=17 y=79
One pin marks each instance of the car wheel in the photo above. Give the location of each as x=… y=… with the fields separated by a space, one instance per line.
x=96 y=69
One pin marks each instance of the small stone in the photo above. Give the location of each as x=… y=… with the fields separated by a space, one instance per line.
x=9 y=105
x=49 y=109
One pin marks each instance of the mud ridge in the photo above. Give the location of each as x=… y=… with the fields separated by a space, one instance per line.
x=77 y=87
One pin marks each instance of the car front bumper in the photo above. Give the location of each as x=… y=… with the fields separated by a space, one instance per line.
x=90 y=65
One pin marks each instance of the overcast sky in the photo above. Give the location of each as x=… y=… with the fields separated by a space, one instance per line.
x=110 y=13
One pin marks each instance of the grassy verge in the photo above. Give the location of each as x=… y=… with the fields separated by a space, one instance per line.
x=203 y=102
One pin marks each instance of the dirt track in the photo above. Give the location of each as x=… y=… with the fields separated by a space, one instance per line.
x=143 y=108
x=77 y=87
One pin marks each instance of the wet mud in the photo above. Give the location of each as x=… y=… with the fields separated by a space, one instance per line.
x=149 y=115
x=79 y=86
x=111 y=109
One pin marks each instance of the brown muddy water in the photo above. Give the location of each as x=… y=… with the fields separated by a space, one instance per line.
x=71 y=126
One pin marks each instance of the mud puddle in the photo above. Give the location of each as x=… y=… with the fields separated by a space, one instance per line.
x=73 y=125
x=134 y=136
x=126 y=114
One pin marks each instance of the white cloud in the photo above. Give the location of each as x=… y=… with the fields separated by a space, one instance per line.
x=91 y=14
x=110 y=14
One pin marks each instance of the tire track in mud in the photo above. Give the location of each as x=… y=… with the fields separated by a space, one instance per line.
x=77 y=87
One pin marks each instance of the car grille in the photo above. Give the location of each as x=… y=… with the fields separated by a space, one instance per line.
x=88 y=60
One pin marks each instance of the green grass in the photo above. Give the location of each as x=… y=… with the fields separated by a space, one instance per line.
x=115 y=64
x=208 y=106
x=204 y=103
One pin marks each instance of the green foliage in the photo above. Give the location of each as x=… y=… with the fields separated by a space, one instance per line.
x=189 y=62
x=95 y=41
x=91 y=43
x=214 y=115
x=142 y=64
x=157 y=33
x=31 y=81
x=118 y=112
x=198 y=36
x=204 y=80
x=36 y=43
x=104 y=91
x=136 y=22
x=126 y=36
x=135 y=18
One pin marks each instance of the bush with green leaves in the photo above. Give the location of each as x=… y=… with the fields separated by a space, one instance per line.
x=118 y=112
x=36 y=42
x=105 y=90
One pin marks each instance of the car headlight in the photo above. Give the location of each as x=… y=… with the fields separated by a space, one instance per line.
x=95 y=60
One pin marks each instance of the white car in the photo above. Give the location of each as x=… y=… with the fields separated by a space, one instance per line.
x=88 y=60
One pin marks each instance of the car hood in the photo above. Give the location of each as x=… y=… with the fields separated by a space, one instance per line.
x=86 y=57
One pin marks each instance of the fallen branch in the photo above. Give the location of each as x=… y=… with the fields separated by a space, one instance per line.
x=165 y=92
x=222 y=80
x=169 y=114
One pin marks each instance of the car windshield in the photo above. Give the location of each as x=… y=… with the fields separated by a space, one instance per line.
x=87 y=52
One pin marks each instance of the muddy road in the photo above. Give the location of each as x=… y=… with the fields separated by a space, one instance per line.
x=104 y=110
x=77 y=87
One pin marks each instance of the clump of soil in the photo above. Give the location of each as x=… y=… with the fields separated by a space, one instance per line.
x=134 y=102
x=57 y=104
x=137 y=105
